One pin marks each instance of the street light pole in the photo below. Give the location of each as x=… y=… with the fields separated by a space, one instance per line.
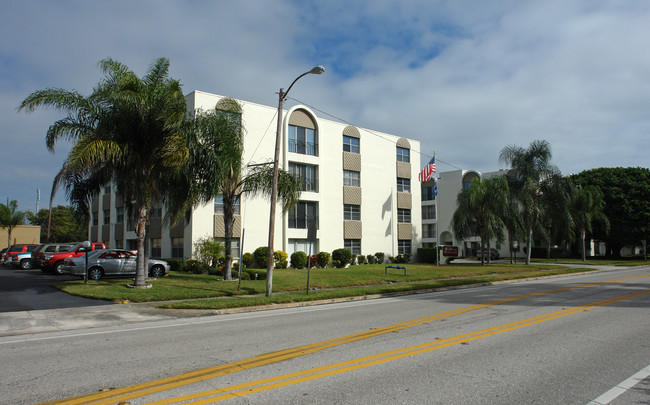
x=282 y=95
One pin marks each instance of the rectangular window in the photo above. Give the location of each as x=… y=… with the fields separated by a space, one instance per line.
x=119 y=244
x=403 y=215
x=234 y=248
x=302 y=140
x=94 y=218
x=351 y=178
x=156 y=211
x=107 y=217
x=403 y=185
x=177 y=247
x=351 y=212
x=428 y=212
x=353 y=245
x=302 y=245
x=304 y=213
x=404 y=247
x=130 y=221
x=308 y=175
x=107 y=189
x=218 y=205
x=403 y=155
x=119 y=212
x=350 y=144
x=429 y=230
x=156 y=247
x=428 y=194
x=132 y=244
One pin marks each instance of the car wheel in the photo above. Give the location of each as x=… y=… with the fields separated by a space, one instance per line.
x=58 y=268
x=26 y=264
x=157 y=271
x=95 y=273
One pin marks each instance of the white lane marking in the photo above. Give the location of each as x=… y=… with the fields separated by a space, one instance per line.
x=622 y=387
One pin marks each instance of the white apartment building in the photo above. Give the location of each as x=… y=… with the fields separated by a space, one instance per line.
x=360 y=187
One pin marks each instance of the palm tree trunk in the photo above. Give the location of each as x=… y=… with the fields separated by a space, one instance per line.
x=582 y=240
x=140 y=276
x=530 y=249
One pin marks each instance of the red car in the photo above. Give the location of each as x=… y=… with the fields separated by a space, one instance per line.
x=16 y=249
x=53 y=262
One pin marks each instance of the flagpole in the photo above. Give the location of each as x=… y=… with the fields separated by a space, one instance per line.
x=438 y=246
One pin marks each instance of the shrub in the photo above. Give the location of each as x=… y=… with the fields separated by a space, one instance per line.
x=247 y=259
x=370 y=259
x=298 y=260
x=254 y=274
x=323 y=259
x=427 y=255
x=260 y=257
x=342 y=257
x=280 y=259
x=380 y=257
x=402 y=258
x=361 y=259
x=175 y=264
x=196 y=267
x=208 y=250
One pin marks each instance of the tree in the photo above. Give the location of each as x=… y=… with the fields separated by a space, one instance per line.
x=10 y=217
x=555 y=214
x=125 y=133
x=587 y=207
x=480 y=210
x=626 y=193
x=65 y=225
x=531 y=166
x=215 y=169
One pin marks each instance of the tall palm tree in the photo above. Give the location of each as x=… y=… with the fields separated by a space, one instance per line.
x=125 y=133
x=555 y=217
x=480 y=210
x=587 y=207
x=531 y=166
x=10 y=217
x=215 y=168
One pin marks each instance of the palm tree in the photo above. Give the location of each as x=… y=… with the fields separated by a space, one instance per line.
x=480 y=210
x=531 y=166
x=587 y=207
x=555 y=217
x=126 y=133
x=10 y=217
x=215 y=168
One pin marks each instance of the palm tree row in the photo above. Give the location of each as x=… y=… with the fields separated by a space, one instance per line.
x=536 y=202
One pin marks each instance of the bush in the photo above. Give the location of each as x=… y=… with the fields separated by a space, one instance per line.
x=341 y=257
x=247 y=259
x=427 y=255
x=260 y=257
x=175 y=264
x=298 y=260
x=208 y=250
x=380 y=257
x=254 y=274
x=195 y=267
x=370 y=259
x=361 y=259
x=280 y=259
x=402 y=258
x=323 y=259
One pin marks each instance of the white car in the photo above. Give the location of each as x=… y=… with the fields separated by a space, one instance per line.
x=21 y=260
x=111 y=262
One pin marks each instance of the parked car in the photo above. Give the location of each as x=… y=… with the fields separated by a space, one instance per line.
x=53 y=262
x=2 y=255
x=494 y=254
x=22 y=261
x=16 y=249
x=45 y=248
x=111 y=262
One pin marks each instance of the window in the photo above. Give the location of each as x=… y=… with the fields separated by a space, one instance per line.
x=94 y=218
x=219 y=208
x=119 y=244
x=352 y=212
x=302 y=140
x=119 y=212
x=403 y=185
x=404 y=247
x=132 y=244
x=353 y=245
x=130 y=221
x=429 y=193
x=403 y=215
x=403 y=155
x=350 y=144
x=177 y=247
x=156 y=247
x=351 y=178
x=156 y=211
x=107 y=189
x=308 y=175
x=107 y=217
x=234 y=247
x=429 y=230
x=302 y=214
x=301 y=245
x=428 y=212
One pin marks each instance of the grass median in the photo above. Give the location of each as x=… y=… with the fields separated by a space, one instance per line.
x=195 y=291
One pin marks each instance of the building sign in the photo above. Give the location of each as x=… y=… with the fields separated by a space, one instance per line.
x=450 y=251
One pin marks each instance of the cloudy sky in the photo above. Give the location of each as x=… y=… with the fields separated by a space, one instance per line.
x=464 y=77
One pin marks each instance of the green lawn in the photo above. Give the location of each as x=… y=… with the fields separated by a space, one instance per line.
x=289 y=285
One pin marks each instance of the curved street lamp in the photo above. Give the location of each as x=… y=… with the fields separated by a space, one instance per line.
x=282 y=95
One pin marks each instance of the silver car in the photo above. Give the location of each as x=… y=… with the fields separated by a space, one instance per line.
x=111 y=262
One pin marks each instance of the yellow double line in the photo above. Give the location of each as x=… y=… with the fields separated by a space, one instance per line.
x=153 y=387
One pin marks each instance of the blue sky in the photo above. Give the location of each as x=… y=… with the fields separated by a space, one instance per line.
x=465 y=77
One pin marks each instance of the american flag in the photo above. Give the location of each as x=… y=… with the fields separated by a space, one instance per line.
x=428 y=170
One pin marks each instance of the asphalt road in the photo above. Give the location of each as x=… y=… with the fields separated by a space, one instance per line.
x=564 y=340
x=28 y=290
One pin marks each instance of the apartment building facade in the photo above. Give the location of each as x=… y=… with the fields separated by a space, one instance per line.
x=360 y=190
